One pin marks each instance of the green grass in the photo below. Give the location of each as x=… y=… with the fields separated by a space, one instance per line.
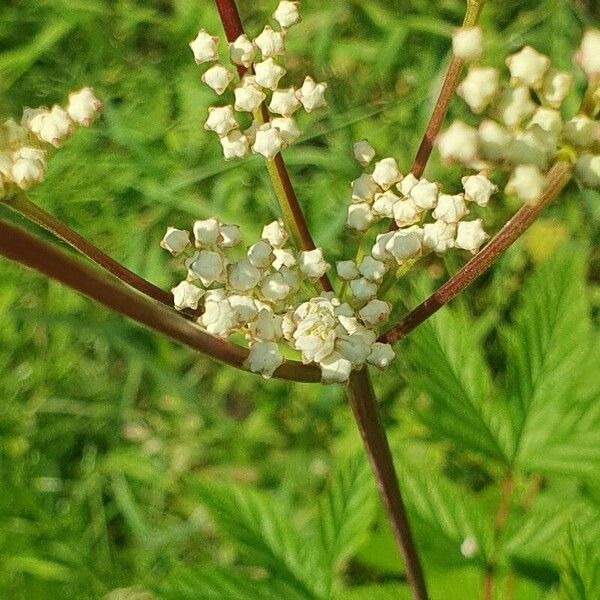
x=105 y=428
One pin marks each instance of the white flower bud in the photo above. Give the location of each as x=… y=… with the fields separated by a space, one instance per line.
x=383 y=205
x=372 y=269
x=335 y=368
x=283 y=258
x=346 y=269
x=204 y=47
x=381 y=355
x=242 y=51
x=12 y=135
x=363 y=289
x=275 y=288
x=264 y=358
x=267 y=326
x=478 y=189
x=287 y=14
x=363 y=152
x=175 y=241
x=458 y=143
x=186 y=295
x=275 y=234
x=479 y=88
x=548 y=120
x=206 y=265
x=218 y=318
x=528 y=67
x=230 y=236
x=260 y=254
x=84 y=107
x=235 y=145
x=268 y=142
x=469 y=547
x=588 y=55
x=356 y=346
x=290 y=276
x=248 y=96
x=270 y=42
x=470 y=235
x=588 y=169
x=405 y=244
x=28 y=167
x=407 y=184
x=268 y=73
x=364 y=188
x=312 y=263
x=439 y=236
x=314 y=334
x=493 y=140
x=217 y=78
x=376 y=312
x=530 y=147
x=515 y=105
x=288 y=129
x=242 y=275
x=527 y=182
x=312 y=95
x=406 y=212
x=450 y=209
x=424 y=194
x=556 y=87
x=378 y=250
x=53 y=126
x=582 y=131
x=220 y=120
x=284 y=102
x=360 y=216
x=244 y=308
x=467 y=43
x=206 y=232
x=386 y=173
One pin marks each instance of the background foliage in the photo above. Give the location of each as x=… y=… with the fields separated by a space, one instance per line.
x=132 y=468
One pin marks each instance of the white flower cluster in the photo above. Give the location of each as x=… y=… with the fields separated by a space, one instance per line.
x=258 y=295
x=524 y=130
x=386 y=194
x=23 y=153
x=259 y=86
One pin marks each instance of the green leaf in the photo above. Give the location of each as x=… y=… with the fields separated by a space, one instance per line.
x=376 y=592
x=580 y=576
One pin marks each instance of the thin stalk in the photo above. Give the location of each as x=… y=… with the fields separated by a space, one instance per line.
x=558 y=177
x=20 y=246
x=366 y=412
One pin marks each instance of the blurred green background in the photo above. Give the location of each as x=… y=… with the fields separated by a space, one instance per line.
x=106 y=428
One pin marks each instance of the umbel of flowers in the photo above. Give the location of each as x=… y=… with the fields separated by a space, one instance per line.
x=24 y=146
x=259 y=94
x=523 y=130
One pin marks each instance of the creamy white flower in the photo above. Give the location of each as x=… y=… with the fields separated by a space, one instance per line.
x=386 y=173
x=264 y=358
x=372 y=269
x=268 y=73
x=478 y=189
x=528 y=67
x=286 y=13
x=439 y=236
x=467 y=43
x=53 y=126
x=458 y=143
x=407 y=184
x=346 y=269
x=548 y=120
x=314 y=334
x=588 y=169
x=206 y=232
x=206 y=265
x=364 y=188
x=529 y=147
x=283 y=258
x=479 y=87
x=470 y=235
x=356 y=346
x=84 y=107
x=220 y=120
x=406 y=212
x=217 y=78
x=424 y=194
x=582 y=131
x=235 y=145
x=248 y=96
x=405 y=244
x=381 y=355
x=288 y=129
x=527 y=182
x=270 y=42
x=28 y=166
x=383 y=205
x=363 y=152
x=268 y=141
x=284 y=102
x=260 y=254
x=360 y=216
x=588 y=55
x=12 y=135
x=175 y=241
x=493 y=140
x=378 y=250
x=218 y=318
x=275 y=233
x=515 y=105
x=376 y=312
x=312 y=95
x=556 y=87
x=243 y=275
x=312 y=263
x=275 y=288
x=244 y=308
x=335 y=368
x=267 y=326
x=204 y=47
x=186 y=295
x=450 y=208
x=363 y=289
x=242 y=51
